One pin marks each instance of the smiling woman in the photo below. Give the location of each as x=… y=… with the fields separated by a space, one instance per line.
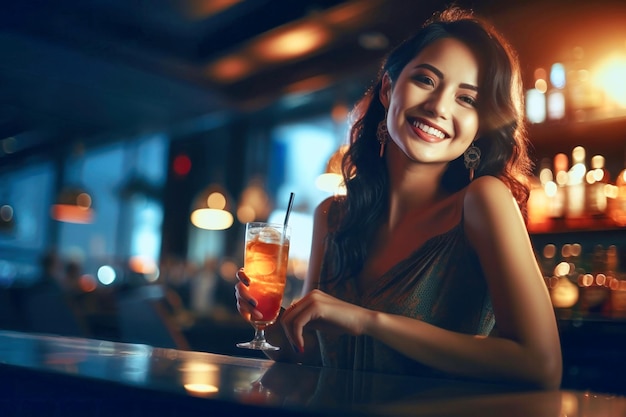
x=420 y=269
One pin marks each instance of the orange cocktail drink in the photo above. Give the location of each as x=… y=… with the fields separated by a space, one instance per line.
x=266 y=256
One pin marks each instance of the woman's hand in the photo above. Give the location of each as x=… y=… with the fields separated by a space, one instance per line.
x=245 y=303
x=323 y=312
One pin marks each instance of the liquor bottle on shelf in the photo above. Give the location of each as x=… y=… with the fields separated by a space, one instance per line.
x=575 y=208
x=539 y=202
x=556 y=190
x=597 y=179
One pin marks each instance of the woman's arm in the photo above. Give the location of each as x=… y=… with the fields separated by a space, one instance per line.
x=527 y=349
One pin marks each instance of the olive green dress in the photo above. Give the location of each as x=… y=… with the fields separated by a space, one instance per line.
x=441 y=283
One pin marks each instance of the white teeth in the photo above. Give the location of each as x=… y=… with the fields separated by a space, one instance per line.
x=430 y=130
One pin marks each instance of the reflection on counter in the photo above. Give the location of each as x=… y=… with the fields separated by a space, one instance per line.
x=125 y=378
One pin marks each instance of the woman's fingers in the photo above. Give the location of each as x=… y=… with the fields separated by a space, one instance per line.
x=242 y=277
x=289 y=322
x=245 y=303
x=323 y=312
x=296 y=317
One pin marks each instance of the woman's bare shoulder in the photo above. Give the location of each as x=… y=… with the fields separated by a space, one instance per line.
x=488 y=190
x=488 y=200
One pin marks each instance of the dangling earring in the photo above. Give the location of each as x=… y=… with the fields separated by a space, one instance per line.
x=382 y=134
x=471 y=158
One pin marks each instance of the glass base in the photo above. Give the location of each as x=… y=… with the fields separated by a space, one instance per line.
x=257 y=345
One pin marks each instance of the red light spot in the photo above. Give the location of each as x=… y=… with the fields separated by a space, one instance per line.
x=182 y=165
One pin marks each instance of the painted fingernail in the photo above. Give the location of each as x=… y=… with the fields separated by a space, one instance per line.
x=252 y=303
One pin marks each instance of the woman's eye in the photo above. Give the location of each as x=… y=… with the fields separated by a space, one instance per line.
x=469 y=100
x=424 y=79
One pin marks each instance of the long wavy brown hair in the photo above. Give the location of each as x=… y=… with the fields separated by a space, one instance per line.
x=502 y=141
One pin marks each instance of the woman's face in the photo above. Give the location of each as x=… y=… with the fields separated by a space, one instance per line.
x=432 y=115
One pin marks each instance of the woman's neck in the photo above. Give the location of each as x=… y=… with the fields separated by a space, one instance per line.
x=414 y=188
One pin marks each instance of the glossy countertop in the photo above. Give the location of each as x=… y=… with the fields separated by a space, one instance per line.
x=239 y=383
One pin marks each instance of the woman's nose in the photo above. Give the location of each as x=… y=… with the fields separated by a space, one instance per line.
x=438 y=104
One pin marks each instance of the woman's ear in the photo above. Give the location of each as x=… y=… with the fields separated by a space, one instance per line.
x=384 y=95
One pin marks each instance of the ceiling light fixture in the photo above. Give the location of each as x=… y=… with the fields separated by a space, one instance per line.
x=210 y=209
x=291 y=43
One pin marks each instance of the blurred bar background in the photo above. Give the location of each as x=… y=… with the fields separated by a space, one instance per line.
x=137 y=138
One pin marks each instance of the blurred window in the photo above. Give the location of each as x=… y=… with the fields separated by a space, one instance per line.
x=300 y=152
x=28 y=191
x=124 y=180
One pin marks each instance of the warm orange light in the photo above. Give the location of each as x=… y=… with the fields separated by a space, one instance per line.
x=585 y=280
x=562 y=269
x=541 y=85
x=216 y=200
x=230 y=68
x=212 y=219
x=228 y=269
x=352 y=15
x=561 y=162
x=332 y=180
x=540 y=73
x=199 y=378
x=142 y=265
x=71 y=213
x=310 y=84
x=74 y=205
x=564 y=294
x=201 y=9
x=291 y=43
x=549 y=251
x=609 y=76
x=87 y=283
x=210 y=209
x=340 y=112
x=246 y=214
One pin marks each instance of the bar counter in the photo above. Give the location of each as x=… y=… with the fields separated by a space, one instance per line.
x=62 y=376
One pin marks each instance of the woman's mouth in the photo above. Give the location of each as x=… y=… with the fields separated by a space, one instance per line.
x=427 y=132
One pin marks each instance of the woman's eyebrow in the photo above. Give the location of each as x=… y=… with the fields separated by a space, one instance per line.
x=433 y=69
x=439 y=74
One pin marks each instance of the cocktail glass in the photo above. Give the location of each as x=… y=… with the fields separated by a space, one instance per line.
x=265 y=263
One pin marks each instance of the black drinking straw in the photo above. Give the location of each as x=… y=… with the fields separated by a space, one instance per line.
x=289 y=206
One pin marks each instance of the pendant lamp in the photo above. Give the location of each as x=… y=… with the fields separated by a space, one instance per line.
x=211 y=209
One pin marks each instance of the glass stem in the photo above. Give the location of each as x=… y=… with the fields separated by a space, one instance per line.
x=259 y=335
